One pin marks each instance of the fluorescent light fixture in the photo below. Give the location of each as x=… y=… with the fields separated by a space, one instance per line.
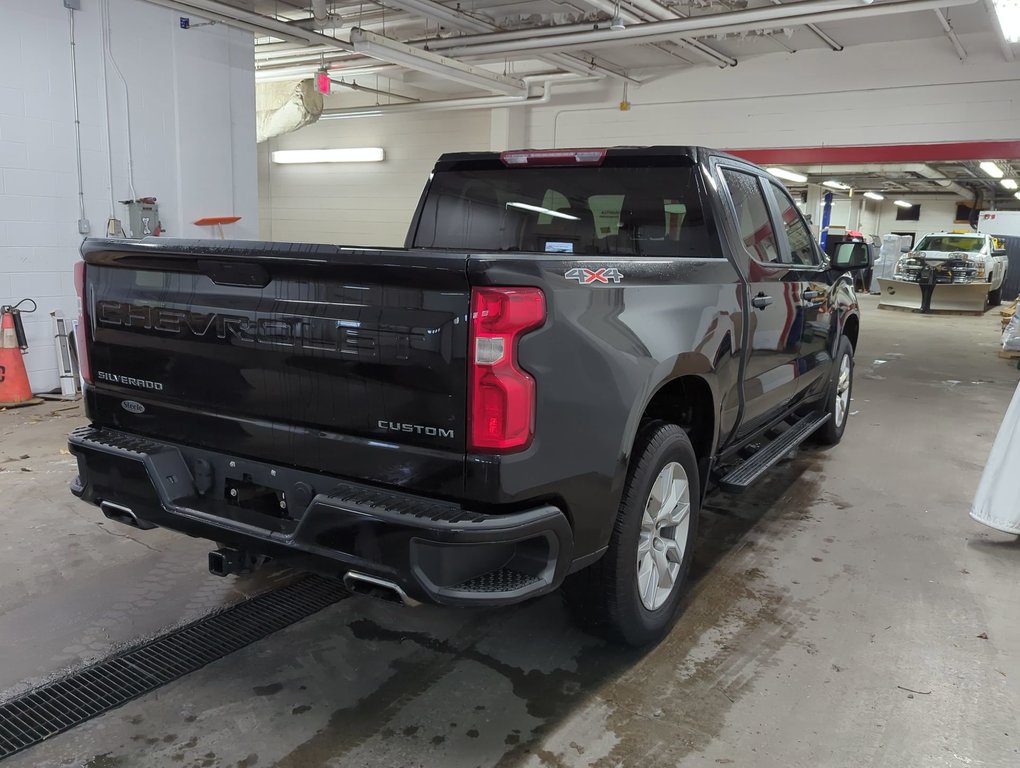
x=903 y=204
x=395 y=52
x=354 y=113
x=1008 y=13
x=782 y=173
x=540 y=209
x=874 y=196
x=835 y=185
x=1009 y=184
x=351 y=155
x=991 y=169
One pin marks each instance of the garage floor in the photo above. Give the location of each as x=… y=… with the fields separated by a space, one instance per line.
x=846 y=613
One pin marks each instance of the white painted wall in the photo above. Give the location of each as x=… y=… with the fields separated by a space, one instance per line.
x=879 y=217
x=937 y=214
x=191 y=97
x=906 y=92
x=913 y=91
x=361 y=203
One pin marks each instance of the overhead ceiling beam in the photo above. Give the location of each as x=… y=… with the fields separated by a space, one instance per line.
x=458 y=19
x=818 y=33
x=254 y=22
x=633 y=14
x=1004 y=44
x=395 y=52
x=702 y=50
x=951 y=34
x=750 y=19
x=881 y=153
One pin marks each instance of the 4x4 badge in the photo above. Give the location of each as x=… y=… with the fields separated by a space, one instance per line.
x=588 y=276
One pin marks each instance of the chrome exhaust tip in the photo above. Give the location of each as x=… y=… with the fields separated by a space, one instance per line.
x=121 y=514
x=381 y=589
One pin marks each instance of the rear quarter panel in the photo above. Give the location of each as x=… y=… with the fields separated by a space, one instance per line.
x=604 y=351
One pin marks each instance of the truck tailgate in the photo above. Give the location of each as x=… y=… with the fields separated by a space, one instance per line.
x=321 y=357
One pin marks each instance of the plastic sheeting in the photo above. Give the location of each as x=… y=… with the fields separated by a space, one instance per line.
x=997 y=503
x=285 y=107
x=888 y=255
x=1011 y=335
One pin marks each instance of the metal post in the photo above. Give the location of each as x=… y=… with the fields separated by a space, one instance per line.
x=826 y=217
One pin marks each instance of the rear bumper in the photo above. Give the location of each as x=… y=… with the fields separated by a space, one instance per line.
x=435 y=551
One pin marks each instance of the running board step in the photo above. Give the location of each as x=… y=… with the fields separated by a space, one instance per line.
x=751 y=470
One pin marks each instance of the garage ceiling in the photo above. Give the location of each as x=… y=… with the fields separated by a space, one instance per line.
x=650 y=38
x=963 y=179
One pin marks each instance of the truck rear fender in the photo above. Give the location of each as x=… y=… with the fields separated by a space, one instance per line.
x=687 y=396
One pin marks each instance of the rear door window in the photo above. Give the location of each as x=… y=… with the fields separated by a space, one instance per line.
x=604 y=211
x=802 y=243
x=752 y=215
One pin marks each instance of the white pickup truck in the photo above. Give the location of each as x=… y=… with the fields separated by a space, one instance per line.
x=967 y=257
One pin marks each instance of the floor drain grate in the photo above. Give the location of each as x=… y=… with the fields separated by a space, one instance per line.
x=71 y=700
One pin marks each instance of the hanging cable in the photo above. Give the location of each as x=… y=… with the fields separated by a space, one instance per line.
x=83 y=225
x=106 y=105
x=127 y=102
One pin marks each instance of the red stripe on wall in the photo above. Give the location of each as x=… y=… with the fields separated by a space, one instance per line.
x=883 y=153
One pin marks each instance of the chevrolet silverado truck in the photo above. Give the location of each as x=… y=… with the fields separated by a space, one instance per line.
x=535 y=392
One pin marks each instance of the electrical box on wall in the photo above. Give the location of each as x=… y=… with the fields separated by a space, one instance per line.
x=143 y=217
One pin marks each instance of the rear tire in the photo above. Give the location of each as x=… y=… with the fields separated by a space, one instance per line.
x=837 y=399
x=633 y=593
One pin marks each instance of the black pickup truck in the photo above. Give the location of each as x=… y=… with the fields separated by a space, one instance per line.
x=536 y=391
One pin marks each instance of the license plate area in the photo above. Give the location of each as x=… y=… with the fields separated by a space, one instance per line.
x=251 y=496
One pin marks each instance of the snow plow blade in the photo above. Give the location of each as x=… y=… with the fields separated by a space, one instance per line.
x=948 y=297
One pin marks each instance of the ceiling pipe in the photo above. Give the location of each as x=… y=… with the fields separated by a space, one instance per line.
x=310 y=60
x=747 y=20
x=655 y=11
x=920 y=169
x=951 y=34
x=282 y=50
x=277 y=74
x=319 y=13
x=251 y=21
x=606 y=6
x=927 y=172
x=358 y=17
x=629 y=16
x=364 y=89
x=444 y=105
x=818 y=33
x=459 y=19
x=395 y=52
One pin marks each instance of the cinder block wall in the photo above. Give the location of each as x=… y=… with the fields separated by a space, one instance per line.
x=190 y=98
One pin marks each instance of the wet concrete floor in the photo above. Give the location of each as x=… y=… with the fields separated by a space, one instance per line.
x=837 y=618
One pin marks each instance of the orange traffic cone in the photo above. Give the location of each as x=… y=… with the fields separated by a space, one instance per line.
x=14 y=387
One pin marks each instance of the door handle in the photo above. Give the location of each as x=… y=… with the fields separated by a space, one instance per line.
x=810 y=295
x=761 y=301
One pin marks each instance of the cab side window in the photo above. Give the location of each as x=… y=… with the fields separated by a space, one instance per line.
x=752 y=215
x=802 y=245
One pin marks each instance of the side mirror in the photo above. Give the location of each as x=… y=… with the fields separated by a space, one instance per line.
x=852 y=257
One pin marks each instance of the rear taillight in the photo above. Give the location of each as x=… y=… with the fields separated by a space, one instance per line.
x=502 y=395
x=83 y=327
